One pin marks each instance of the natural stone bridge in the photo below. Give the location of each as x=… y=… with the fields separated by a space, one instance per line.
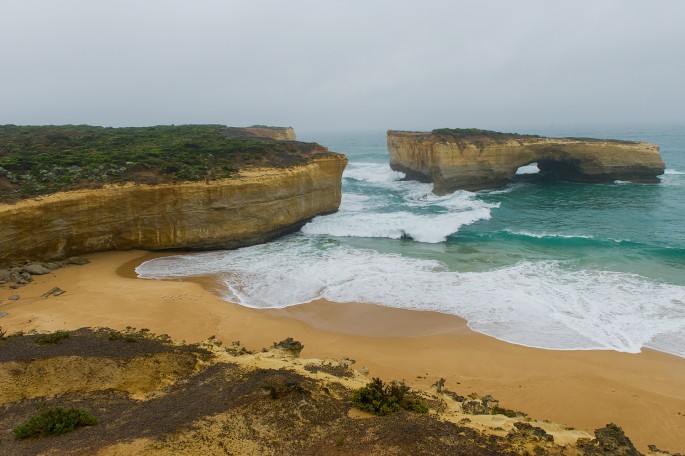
x=478 y=159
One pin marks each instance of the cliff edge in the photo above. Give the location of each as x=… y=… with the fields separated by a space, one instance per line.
x=471 y=159
x=251 y=204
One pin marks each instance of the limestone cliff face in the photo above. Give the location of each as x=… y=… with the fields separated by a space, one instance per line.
x=481 y=162
x=253 y=207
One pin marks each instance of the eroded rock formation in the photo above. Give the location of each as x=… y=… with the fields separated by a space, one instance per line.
x=477 y=159
x=252 y=207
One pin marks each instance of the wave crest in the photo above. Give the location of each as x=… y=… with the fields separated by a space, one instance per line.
x=541 y=304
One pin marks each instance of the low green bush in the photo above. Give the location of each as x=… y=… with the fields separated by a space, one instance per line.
x=382 y=399
x=54 y=421
x=52 y=338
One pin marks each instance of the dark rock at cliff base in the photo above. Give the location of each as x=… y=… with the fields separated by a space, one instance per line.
x=36 y=269
x=78 y=260
x=610 y=440
x=24 y=278
x=4 y=276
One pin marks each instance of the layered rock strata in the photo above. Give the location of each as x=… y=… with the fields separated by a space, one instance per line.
x=489 y=159
x=253 y=206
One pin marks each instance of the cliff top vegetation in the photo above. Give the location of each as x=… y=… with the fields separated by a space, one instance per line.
x=478 y=135
x=468 y=133
x=38 y=160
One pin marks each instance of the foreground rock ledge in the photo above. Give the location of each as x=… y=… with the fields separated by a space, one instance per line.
x=252 y=207
x=479 y=159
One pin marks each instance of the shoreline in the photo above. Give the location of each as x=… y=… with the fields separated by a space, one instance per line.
x=643 y=393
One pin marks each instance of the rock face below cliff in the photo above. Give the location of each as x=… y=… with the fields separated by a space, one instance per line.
x=252 y=207
x=478 y=159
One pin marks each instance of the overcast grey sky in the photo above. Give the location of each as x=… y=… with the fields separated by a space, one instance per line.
x=343 y=65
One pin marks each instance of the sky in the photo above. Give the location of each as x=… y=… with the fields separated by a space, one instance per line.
x=343 y=65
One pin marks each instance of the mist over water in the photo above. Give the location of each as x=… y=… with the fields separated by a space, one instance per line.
x=540 y=263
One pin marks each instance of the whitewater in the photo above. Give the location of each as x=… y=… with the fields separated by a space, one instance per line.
x=544 y=264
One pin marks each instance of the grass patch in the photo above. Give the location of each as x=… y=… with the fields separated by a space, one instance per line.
x=54 y=421
x=52 y=338
x=497 y=410
x=382 y=399
x=38 y=160
x=469 y=133
x=117 y=335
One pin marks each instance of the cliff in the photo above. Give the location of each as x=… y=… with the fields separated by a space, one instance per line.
x=262 y=131
x=251 y=207
x=477 y=159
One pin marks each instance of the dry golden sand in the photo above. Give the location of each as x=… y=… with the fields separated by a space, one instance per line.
x=643 y=393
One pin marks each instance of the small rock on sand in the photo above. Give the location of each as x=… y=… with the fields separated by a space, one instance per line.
x=56 y=291
x=78 y=260
x=14 y=298
x=3 y=314
x=36 y=269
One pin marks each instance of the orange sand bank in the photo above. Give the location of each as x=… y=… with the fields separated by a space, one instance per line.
x=643 y=393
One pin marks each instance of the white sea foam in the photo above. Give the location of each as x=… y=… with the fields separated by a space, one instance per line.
x=417 y=212
x=673 y=171
x=548 y=235
x=372 y=172
x=540 y=304
x=431 y=228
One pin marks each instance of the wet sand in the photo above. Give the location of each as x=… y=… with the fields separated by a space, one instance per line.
x=643 y=393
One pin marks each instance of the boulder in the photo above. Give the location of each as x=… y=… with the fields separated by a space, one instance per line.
x=36 y=269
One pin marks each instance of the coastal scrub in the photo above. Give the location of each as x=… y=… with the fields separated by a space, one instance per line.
x=38 y=160
x=382 y=399
x=54 y=421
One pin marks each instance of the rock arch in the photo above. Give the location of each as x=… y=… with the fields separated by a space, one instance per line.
x=484 y=159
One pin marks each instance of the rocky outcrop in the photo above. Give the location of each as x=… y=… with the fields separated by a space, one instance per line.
x=262 y=132
x=253 y=206
x=478 y=159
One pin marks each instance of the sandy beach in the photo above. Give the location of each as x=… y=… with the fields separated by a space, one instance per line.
x=643 y=393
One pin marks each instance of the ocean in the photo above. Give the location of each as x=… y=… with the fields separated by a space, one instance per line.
x=541 y=263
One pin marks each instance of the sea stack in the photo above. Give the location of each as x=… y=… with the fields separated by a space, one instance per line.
x=471 y=159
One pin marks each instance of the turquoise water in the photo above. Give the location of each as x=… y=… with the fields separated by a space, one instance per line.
x=542 y=263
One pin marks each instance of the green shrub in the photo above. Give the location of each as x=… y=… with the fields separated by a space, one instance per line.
x=464 y=133
x=54 y=421
x=47 y=159
x=497 y=410
x=382 y=399
x=116 y=335
x=52 y=338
